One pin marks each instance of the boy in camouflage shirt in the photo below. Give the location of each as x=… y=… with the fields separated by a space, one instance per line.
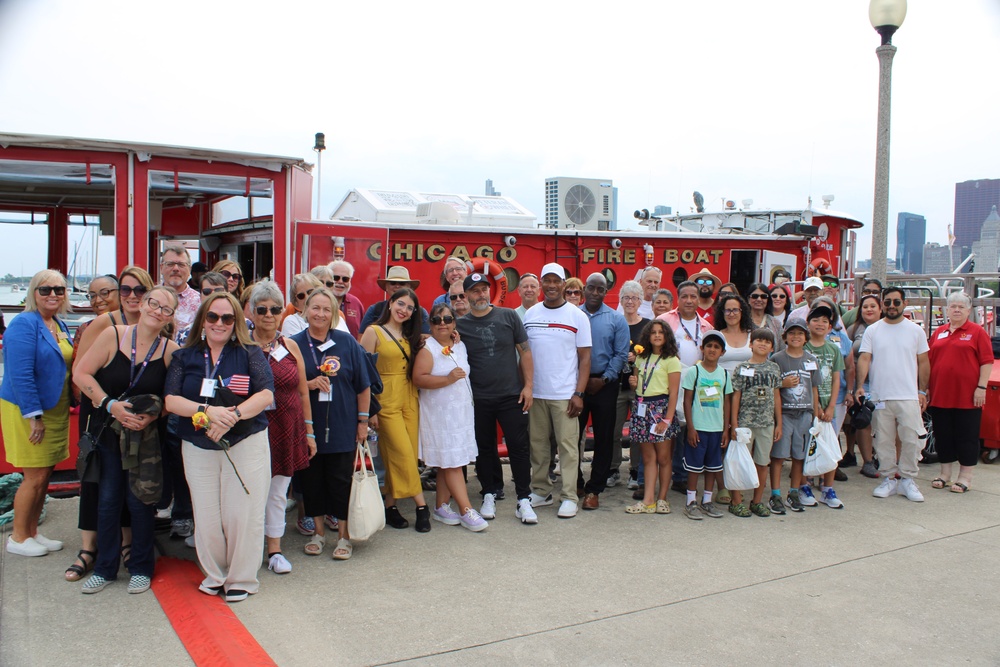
x=757 y=406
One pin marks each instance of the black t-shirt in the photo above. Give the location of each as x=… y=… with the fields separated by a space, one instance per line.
x=634 y=333
x=492 y=344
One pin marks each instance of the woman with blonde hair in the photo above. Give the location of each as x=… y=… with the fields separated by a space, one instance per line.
x=573 y=291
x=34 y=404
x=235 y=282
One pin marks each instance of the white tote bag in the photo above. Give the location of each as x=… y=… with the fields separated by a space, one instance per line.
x=823 y=452
x=365 y=513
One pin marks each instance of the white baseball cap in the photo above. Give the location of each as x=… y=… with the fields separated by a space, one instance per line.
x=553 y=267
x=813 y=281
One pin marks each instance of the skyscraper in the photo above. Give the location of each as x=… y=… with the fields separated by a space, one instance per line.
x=973 y=201
x=911 y=232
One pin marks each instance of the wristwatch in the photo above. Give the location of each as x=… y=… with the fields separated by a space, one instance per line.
x=37 y=418
x=578 y=394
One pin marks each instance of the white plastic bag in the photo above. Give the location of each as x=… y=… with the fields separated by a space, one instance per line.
x=738 y=469
x=823 y=452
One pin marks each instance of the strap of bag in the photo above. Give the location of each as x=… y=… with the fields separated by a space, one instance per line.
x=360 y=455
x=396 y=341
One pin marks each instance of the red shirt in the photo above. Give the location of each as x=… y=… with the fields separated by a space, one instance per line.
x=955 y=361
x=352 y=312
x=708 y=314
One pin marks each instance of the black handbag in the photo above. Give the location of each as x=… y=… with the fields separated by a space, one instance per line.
x=226 y=398
x=88 y=459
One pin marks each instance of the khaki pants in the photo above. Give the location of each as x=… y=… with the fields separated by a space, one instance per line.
x=902 y=417
x=547 y=417
x=229 y=524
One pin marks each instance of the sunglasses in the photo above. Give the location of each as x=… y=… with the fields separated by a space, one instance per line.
x=779 y=295
x=46 y=290
x=208 y=291
x=263 y=310
x=757 y=297
x=892 y=302
x=704 y=281
x=341 y=279
x=155 y=305
x=456 y=297
x=574 y=292
x=329 y=284
x=446 y=319
x=212 y=318
x=873 y=292
x=127 y=291
x=230 y=274
x=302 y=295
x=827 y=283
x=104 y=293
x=528 y=275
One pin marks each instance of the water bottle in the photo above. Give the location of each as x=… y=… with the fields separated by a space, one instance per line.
x=373 y=442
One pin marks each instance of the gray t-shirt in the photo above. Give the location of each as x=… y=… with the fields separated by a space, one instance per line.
x=492 y=344
x=806 y=368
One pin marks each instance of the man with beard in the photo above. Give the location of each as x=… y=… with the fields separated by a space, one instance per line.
x=608 y=353
x=494 y=337
x=559 y=334
x=707 y=284
x=458 y=299
x=895 y=350
x=527 y=289
x=649 y=278
x=351 y=307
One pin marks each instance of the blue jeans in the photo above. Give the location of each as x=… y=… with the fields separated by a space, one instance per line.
x=113 y=492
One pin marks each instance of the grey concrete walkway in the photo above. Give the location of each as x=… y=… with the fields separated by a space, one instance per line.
x=880 y=581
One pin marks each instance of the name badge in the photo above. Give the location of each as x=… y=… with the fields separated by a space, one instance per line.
x=880 y=405
x=279 y=353
x=325 y=396
x=809 y=365
x=711 y=391
x=943 y=334
x=640 y=409
x=208 y=388
x=326 y=346
x=747 y=372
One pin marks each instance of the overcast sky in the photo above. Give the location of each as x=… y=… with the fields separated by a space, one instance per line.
x=773 y=101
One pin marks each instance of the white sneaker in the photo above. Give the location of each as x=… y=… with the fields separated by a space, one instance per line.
x=613 y=479
x=907 y=487
x=279 y=564
x=886 y=488
x=540 y=501
x=27 y=548
x=524 y=512
x=567 y=510
x=51 y=545
x=489 y=508
x=189 y=541
x=164 y=513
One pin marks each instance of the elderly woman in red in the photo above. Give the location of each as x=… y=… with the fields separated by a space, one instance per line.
x=961 y=362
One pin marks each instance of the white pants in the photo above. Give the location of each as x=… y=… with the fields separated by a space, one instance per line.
x=229 y=523
x=902 y=418
x=274 y=514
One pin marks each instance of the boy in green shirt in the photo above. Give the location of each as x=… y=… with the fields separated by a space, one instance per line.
x=831 y=362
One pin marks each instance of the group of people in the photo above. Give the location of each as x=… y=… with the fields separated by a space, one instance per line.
x=214 y=401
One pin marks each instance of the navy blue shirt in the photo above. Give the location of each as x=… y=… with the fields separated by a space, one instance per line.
x=341 y=412
x=187 y=370
x=609 y=339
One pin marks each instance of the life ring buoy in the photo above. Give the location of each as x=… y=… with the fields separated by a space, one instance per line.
x=493 y=271
x=822 y=266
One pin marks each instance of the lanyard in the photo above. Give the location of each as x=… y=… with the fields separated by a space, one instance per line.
x=274 y=343
x=312 y=348
x=647 y=373
x=697 y=331
x=211 y=374
x=133 y=377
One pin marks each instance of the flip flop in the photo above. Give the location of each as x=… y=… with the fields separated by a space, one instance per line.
x=939 y=483
x=314 y=546
x=958 y=487
x=343 y=550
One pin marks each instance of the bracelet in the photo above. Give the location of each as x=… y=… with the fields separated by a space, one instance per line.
x=239 y=415
x=922 y=393
x=980 y=387
x=311 y=435
x=107 y=397
x=110 y=403
x=363 y=414
x=309 y=421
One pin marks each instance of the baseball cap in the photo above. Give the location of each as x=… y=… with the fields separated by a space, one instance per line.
x=820 y=310
x=796 y=323
x=827 y=278
x=716 y=336
x=813 y=281
x=553 y=267
x=472 y=280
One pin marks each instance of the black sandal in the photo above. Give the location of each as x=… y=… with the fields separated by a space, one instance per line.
x=126 y=554
x=75 y=572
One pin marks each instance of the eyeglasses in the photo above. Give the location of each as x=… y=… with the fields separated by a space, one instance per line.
x=873 y=292
x=302 y=295
x=446 y=319
x=155 y=305
x=630 y=298
x=528 y=275
x=892 y=302
x=263 y=310
x=230 y=274
x=127 y=291
x=208 y=291
x=828 y=283
x=733 y=311
x=175 y=265
x=456 y=297
x=757 y=297
x=704 y=281
x=597 y=289
x=46 y=290
x=408 y=309
x=212 y=318
x=778 y=295
x=341 y=279
x=573 y=292
x=104 y=293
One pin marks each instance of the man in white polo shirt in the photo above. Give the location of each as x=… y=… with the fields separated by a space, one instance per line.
x=559 y=334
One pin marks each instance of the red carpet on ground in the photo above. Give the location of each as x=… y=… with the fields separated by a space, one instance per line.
x=210 y=631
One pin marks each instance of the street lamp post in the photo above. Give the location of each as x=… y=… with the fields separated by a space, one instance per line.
x=319 y=147
x=886 y=16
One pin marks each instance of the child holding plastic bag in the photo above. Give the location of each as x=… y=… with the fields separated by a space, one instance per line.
x=656 y=379
x=831 y=362
x=757 y=408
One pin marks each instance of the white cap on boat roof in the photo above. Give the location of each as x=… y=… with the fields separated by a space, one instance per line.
x=555 y=268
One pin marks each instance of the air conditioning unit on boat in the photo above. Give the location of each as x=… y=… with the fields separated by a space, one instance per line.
x=437 y=212
x=578 y=203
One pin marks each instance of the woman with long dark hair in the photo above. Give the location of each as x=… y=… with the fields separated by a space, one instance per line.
x=732 y=318
x=870 y=312
x=396 y=338
x=780 y=304
x=759 y=300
